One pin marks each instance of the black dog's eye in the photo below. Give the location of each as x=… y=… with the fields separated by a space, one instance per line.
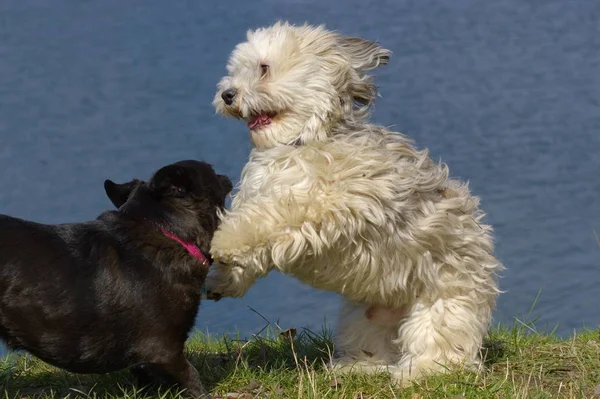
x=264 y=68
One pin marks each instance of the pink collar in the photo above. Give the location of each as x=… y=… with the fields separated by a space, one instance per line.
x=189 y=246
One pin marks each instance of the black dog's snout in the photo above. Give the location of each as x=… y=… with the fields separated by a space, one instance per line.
x=228 y=96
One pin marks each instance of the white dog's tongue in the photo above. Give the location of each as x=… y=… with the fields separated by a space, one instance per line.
x=261 y=120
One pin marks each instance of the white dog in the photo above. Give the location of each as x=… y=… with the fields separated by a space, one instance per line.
x=351 y=207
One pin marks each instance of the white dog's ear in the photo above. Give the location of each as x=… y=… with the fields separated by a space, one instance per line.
x=363 y=54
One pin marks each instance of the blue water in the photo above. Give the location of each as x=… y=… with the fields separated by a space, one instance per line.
x=506 y=92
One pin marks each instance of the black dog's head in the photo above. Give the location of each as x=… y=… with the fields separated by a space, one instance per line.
x=183 y=198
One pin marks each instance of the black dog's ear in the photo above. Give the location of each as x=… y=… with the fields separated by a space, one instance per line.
x=119 y=193
x=226 y=183
x=172 y=180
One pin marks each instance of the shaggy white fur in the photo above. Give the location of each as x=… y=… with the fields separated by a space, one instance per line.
x=351 y=207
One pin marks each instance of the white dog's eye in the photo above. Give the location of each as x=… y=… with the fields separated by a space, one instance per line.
x=264 y=68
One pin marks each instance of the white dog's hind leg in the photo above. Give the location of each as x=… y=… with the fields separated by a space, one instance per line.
x=436 y=337
x=362 y=345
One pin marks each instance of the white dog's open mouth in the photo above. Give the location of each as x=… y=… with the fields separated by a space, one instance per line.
x=262 y=119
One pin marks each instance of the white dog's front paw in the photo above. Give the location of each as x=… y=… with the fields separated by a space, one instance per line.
x=212 y=289
x=217 y=283
x=225 y=281
x=227 y=249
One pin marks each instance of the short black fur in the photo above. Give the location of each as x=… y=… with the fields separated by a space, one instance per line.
x=115 y=292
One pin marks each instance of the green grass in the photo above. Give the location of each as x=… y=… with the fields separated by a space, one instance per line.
x=520 y=363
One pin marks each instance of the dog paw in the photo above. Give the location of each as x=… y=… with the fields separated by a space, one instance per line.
x=213 y=296
x=221 y=256
x=226 y=281
x=225 y=248
x=216 y=285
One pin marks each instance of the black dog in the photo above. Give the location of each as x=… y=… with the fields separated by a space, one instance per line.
x=122 y=290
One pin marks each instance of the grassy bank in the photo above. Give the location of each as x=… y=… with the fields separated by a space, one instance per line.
x=520 y=364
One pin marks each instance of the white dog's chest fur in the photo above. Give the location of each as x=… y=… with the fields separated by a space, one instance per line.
x=368 y=199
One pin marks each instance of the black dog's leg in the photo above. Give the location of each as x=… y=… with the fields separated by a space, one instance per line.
x=145 y=376
x=186 y=375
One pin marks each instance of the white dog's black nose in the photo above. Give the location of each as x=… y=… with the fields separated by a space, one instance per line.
x=228 y=95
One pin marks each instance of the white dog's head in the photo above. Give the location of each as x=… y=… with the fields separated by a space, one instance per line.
x=292 y=84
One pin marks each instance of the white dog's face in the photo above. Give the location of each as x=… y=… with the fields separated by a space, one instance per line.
x=292 y=84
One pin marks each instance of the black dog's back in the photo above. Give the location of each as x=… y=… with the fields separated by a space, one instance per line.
x=37 y=262
x=93 y=325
